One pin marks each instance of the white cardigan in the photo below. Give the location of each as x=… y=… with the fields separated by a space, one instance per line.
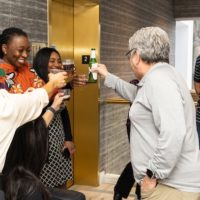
x=16 y=110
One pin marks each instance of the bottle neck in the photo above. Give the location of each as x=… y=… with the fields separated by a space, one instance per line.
x=93 y=54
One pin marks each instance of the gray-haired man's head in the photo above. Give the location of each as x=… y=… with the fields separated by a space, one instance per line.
x=152 y=43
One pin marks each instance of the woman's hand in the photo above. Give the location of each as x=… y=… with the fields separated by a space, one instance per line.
x=70 y=146
x=58 y=101
x=58 y=80
x=101 y=69
x=79 y=80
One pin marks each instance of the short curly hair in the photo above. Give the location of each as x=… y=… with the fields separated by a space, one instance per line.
x=152 y=43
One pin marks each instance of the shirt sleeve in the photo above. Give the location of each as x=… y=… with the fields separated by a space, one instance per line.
x=16 y=110
x=123 y=88
x=197 y=70
x=24 y=107
x=168 y=114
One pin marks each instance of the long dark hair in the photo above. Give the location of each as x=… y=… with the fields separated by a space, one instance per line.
x=41 y=61
x=29 y=147
x=8 y=34
x=21 y=184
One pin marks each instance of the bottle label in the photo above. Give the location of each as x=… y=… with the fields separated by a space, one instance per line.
x=94 y=74
x=93 y=54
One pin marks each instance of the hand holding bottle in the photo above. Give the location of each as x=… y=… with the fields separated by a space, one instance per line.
x=100 y=69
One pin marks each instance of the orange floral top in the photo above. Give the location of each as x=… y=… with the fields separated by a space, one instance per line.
x=18 y=81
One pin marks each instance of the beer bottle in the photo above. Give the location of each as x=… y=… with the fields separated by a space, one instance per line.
x=92 y=78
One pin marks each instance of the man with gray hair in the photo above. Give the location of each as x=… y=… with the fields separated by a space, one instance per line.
x=164 y=142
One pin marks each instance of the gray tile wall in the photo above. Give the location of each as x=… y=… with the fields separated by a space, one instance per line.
x=119 y=20
x=186 y=8
x=29 y=15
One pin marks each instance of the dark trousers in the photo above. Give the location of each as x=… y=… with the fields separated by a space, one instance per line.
x=125 y=182
x=138 y=192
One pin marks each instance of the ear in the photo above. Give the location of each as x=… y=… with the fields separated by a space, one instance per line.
x=137 y=58
x=4 y=49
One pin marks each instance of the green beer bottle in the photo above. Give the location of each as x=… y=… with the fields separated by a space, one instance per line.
x=92 y=78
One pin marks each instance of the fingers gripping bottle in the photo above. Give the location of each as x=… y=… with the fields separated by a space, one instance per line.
x=92 y=78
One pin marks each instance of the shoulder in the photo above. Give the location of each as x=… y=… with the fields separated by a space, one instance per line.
x=160 y=72
x=162 y=77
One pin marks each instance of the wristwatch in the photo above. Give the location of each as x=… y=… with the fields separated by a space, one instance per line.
x=51 y=109
x=150 y=174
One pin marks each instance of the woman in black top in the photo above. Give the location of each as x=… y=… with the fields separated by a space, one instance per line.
x=58 y=168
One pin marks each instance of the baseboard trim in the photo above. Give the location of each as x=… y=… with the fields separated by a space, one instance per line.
x=107 y=178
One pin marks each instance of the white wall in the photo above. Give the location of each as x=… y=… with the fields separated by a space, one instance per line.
x=184 y=50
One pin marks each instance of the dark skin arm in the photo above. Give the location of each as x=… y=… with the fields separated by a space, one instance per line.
x=197 y=87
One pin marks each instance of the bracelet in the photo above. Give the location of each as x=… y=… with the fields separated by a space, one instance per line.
x=52 y=110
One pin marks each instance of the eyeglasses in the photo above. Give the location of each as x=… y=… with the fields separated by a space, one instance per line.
x=128 y=54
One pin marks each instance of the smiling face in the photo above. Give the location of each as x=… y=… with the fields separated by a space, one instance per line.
x=54 y=61
x=16 y=51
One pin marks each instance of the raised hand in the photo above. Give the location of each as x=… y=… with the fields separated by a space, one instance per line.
x=58 y=80
x=100 y=69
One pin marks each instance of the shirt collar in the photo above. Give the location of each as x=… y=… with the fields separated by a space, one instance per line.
x=142 y=81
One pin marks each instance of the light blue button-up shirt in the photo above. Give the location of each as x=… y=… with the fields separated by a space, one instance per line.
x=163 y=136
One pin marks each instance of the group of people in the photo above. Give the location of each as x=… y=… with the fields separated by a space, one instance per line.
x=31 y=146
x=164 y=144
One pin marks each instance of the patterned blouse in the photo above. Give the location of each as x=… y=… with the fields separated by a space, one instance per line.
x=18 y=81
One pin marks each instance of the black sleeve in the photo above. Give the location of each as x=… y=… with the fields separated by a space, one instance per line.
x=197 y=70
x=66 y=124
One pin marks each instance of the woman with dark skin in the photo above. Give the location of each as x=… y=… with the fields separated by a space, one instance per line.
x=58 y=169
x=14 y=51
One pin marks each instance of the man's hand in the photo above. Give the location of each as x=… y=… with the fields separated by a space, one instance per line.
x=148 y=184
x=101 y=69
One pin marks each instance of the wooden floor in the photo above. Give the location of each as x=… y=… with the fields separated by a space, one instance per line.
x=102 y=192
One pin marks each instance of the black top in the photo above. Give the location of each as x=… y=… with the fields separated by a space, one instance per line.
x=197 y=79
x=66 y=124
